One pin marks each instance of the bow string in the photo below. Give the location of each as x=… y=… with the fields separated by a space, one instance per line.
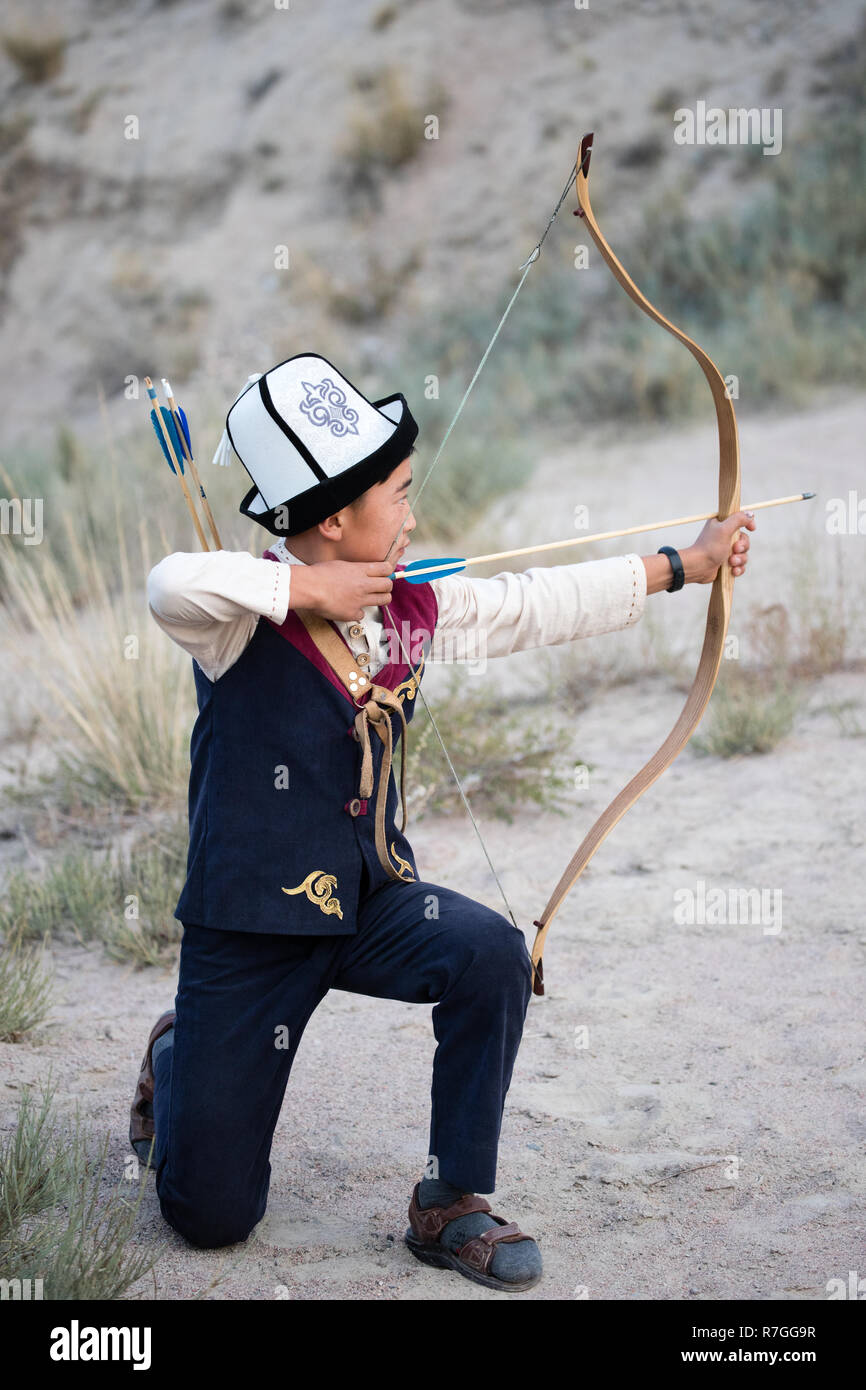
x=525 y=267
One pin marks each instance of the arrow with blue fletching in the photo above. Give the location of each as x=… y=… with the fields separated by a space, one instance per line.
x=166 y=431
x=182 y=429
x=423 y=571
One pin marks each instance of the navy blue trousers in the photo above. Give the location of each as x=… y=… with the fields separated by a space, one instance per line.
x=219 y=1089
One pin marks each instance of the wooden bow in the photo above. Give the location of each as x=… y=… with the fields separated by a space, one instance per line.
x=720 y=596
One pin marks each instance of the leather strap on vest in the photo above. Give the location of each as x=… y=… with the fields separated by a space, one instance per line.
x=375 y=712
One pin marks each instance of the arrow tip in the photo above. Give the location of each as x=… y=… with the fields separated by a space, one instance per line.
x=807 y=495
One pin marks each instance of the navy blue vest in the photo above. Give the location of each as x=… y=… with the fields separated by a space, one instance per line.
x=275 y=767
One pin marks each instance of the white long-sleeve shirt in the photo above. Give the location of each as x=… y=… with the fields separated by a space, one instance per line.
x=210 y=603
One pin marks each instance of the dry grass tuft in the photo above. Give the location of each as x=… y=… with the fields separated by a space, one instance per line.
x=124 y=689
x=61 y=1220
x=386 y=132
x=501 y=757
x=25 y=991
x=38 y=54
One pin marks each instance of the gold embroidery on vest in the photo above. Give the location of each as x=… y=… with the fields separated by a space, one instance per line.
x=410 y=687
x=405 y=867
x=318 y=887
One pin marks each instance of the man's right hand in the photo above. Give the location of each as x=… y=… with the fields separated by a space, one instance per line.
x=341 y=589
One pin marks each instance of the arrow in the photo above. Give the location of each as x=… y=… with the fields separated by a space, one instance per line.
x=166 y=431
x=182 y=425
x=423 y=571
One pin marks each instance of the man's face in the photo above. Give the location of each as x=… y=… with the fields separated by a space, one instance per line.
x=378 y=525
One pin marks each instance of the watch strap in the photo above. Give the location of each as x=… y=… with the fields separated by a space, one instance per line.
x=679 y=575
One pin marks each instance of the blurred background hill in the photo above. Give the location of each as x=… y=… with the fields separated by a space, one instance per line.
x=280 y=194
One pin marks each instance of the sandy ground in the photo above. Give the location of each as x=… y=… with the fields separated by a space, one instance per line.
x=707 y=1140
x=704 y=1042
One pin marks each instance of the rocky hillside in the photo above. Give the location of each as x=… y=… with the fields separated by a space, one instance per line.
x=199 y=188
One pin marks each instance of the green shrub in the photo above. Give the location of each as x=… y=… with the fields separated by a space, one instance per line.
x=502 y=759
x=748 y=714
x=61 y=1220
x=127 y=902
x=25 y=991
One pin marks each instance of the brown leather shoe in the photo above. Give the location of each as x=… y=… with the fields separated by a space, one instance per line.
x=472 y=1259
x=141 y=1131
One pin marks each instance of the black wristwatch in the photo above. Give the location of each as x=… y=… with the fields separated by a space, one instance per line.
x=679 y=578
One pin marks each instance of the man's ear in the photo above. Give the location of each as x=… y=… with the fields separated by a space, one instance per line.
x=333 y=526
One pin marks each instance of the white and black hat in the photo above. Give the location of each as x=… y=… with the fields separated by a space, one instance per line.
x=312 y=443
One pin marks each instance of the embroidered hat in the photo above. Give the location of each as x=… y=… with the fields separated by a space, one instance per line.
x=312 y=443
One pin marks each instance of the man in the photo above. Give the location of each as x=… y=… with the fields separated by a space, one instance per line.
x=299 y=880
